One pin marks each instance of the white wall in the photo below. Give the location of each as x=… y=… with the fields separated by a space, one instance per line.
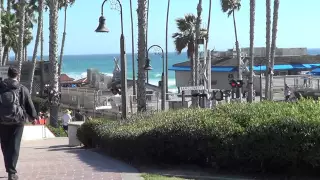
x=219 y=80
x=36 y=132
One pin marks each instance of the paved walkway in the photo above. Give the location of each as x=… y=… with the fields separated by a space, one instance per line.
x=52 y=159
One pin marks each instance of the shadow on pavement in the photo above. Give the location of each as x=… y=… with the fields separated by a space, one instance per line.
x=99 y=162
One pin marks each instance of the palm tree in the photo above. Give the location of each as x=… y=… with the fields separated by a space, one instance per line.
x=185 y=38
x=29 y=19
x=53 y=58
x=141 y=88
x=36 y=44
x=252 y=21
x=28 y=37
x=229 y=7
x=167 y=28
x=1 y=33
x=21 y=18
x=132 y=52
x=208 y=26
x=63 y=4
x=9 y=3
x=273 y=43
x=268 y=42
x=196 y=50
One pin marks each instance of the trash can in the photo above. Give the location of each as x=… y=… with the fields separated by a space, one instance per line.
x=72 y=133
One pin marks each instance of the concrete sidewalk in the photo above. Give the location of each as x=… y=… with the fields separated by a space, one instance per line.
x=52 y=159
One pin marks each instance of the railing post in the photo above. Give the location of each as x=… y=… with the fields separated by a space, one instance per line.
x=183 y=98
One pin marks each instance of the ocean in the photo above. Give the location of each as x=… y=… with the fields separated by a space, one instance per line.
x=76 y=66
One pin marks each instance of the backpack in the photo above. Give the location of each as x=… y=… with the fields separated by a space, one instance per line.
x=11 y=112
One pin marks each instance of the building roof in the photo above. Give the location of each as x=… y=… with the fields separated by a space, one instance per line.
x=65 y=78
x=279 y=60
x=255 y=68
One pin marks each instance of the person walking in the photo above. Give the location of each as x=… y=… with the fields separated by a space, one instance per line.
x=16 y=107
x=66 y=118
x=287 y=92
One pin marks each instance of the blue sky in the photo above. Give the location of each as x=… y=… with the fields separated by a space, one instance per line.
x=298 y=25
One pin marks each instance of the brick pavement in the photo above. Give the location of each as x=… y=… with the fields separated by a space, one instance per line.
x=52 y=159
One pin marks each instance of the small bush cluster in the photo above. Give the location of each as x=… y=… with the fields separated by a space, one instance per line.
x=58 y=131
x=267 y=136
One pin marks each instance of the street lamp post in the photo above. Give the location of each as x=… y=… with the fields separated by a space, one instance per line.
x=158 y=50
x=102 y=28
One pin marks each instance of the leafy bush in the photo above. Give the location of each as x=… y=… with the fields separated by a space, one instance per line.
x=40 y=104
x=91 y=132
x=58 y=132
x=267 y=136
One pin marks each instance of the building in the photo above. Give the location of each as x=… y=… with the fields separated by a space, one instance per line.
x=41 y=74
x=288 y=61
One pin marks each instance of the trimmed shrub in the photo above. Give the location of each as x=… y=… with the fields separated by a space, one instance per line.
x=267 y=136
x=91 y=132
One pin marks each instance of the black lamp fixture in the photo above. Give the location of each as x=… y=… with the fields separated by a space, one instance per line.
x=148 y=66
x=200 y=41
x=102 y=25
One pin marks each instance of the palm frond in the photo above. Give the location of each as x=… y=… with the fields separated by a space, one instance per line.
x=229 y=6
x=180 y=42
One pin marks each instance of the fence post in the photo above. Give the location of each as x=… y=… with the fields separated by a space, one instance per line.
x=94 y=104
x=131 y=106
x=183 y=98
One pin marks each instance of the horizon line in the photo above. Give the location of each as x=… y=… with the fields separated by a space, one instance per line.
x=119 y=53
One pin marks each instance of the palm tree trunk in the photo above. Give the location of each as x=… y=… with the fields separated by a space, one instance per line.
x=238 y=53
x=132 y=52
x=25 y=54
x=4 y=56
x=36 y=45
x=41 y=59
x=146 y=46
x=167 y=28
x=273 y=43
x=141 y=88
x=42 y=39
x=1 y=59
x=208 y=25
x=196 y=52
x=53 y=58
x=252 y=21
x=63 y=42
x=268 y=42
x=196 y=60
x=9 y=5
x=21 y=34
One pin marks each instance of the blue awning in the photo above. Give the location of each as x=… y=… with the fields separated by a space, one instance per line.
x=255 y=68
x=316 y=70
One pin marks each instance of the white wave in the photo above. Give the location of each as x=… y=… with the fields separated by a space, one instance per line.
x=108 y=74
x=77 y=75
x=157 y=75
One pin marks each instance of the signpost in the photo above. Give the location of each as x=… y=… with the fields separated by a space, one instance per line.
x=3 y=72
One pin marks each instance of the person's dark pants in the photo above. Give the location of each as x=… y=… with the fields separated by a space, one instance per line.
x=10 y=137
x=287 y=98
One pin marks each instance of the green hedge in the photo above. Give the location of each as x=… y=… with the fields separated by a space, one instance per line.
x=268 y=136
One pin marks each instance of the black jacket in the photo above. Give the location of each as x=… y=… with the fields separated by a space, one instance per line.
x=25 y=98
